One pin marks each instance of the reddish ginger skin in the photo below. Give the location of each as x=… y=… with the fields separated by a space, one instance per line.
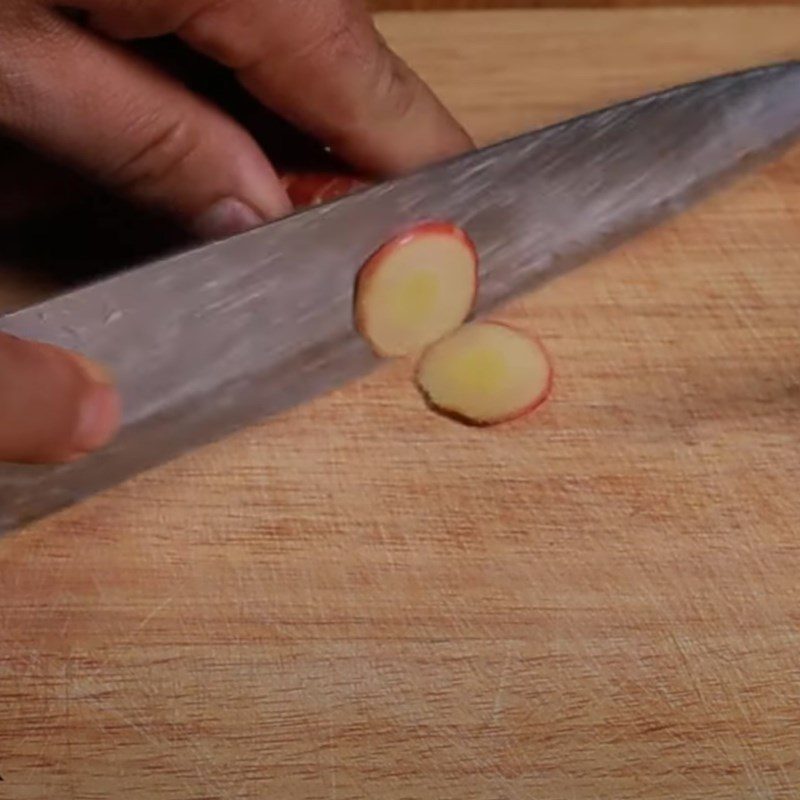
x=310 y=189
x=379 y=257
x=535 y=405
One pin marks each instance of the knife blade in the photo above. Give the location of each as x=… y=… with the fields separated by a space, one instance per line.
x=215 y=338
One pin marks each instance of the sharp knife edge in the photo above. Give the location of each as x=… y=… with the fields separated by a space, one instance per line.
x=207 y=341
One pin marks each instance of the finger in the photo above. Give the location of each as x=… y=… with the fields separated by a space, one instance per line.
x=55 y=406
x=322 y=65
x=319 y=63
x=138 y=132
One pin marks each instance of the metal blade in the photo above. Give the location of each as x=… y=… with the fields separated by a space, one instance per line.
x=213 y=339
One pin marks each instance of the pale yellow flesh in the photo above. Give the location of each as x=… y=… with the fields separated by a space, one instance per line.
x=420 y=291
x=485 y=373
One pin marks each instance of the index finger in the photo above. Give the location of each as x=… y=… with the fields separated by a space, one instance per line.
x=323 y=66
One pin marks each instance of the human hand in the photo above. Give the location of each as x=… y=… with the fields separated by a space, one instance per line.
x=75 y=93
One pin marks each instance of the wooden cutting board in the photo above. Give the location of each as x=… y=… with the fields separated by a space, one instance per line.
x=362 y=600
x=418 y=5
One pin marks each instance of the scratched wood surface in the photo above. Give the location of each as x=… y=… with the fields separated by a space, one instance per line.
x=362 y=600
x=425 y=5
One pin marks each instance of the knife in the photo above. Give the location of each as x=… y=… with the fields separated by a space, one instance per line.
x=211 y=339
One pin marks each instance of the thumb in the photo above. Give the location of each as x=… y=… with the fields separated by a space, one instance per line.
x=55 y=406
x=139 y=132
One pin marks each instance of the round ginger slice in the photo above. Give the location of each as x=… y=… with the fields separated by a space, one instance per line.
x=485 y=373
x=416 y=289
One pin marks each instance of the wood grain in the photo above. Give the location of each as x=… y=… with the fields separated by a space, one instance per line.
x=362 y=600
x=426 y=5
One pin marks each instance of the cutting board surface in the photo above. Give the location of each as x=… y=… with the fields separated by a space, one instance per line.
x=363 y=600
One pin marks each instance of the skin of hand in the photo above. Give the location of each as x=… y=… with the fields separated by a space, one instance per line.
x=72 y=90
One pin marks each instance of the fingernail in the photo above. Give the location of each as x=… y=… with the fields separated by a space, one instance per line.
x=100 y=412
x=225 y=218
x=99 y=419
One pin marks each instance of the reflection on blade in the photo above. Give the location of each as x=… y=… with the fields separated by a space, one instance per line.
x=216 y=338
